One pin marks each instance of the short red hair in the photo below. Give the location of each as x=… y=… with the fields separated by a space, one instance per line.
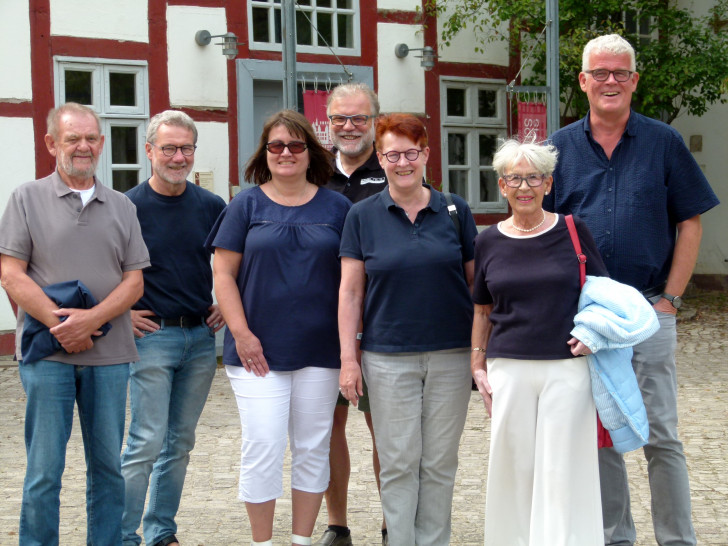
x=405 y=125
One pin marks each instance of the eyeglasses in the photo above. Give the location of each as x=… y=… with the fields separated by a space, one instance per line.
x=169 y=150
x=356 y=120
x=295 y=147
x=515 y=180
x=410 y=155
x=602 y=74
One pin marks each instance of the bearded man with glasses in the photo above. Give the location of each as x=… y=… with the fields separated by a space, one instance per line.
x=640 y=192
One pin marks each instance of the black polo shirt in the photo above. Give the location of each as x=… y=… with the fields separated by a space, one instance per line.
x=365 y=181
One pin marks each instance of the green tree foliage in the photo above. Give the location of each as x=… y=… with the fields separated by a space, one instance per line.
x=683 y=69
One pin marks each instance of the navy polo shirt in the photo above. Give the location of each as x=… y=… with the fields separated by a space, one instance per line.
x=417 y=298
x=632 y=202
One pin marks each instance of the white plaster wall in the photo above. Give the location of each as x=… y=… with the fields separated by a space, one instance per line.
x=462 y=47
x=401 y=81
x=107 y=19
x=713 y=159
x=15 y=83
x=17 y=155
x=212 y=155
x=197 y=74
x=399 y=5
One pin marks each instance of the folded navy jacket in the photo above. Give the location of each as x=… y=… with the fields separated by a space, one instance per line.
x=37 y=341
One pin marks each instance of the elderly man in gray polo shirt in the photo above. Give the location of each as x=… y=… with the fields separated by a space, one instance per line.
x=70 y=227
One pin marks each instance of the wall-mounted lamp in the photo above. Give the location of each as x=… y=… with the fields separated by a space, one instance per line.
x=428 y=54
x=229 y=42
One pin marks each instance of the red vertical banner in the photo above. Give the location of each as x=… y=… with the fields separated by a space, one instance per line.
x=532 y=121
x=314 y=108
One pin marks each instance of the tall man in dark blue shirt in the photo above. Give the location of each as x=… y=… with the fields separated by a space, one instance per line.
x=175 y=324
x=641 y=193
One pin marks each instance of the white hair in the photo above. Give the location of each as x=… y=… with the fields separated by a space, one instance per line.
x=610 y=43
x=542 y=157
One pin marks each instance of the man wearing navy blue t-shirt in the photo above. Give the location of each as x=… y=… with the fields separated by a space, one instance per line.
x=174 y=323
x=641 y=193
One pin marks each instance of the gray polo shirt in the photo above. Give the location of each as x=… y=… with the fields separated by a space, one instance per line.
x=45 y=225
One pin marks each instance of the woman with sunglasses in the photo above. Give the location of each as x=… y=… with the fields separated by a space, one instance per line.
x=543 y=475
x=407 y=268
x=277 y=273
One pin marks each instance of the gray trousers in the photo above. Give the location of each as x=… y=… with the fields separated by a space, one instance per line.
x=654 y=365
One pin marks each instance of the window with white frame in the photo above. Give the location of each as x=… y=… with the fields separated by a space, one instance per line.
x=640 y=25
x=473 y=119
x=118 y=92
x=320 y=24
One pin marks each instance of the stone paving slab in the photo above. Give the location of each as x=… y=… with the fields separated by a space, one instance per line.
x=211 y=515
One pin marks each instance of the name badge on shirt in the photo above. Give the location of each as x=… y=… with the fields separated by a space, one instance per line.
x=372 y=181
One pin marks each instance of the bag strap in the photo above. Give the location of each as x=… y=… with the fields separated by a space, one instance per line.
x=453 y=212
x=577 y=247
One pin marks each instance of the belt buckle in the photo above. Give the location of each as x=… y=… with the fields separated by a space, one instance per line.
x=186 y=322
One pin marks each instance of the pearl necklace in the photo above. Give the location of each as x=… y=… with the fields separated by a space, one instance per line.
x=534 y=228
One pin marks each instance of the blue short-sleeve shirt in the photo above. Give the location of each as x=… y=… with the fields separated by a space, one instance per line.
x=417 y=298
x=632 y=202
x=289 y=277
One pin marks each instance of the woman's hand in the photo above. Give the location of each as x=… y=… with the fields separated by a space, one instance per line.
x=350 y=382
x=578 y=348
x=250 y=352
x=481 y=381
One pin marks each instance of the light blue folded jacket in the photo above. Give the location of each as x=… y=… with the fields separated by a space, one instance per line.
x=612 y=318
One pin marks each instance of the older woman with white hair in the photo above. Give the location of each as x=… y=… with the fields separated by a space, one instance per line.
x=543 y=477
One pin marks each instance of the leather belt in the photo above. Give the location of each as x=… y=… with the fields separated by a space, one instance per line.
x=653 y=292
x=185 y=321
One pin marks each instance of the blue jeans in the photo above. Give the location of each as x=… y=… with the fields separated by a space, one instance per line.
x=654 y=365
x=168 y=390
x=100 y=392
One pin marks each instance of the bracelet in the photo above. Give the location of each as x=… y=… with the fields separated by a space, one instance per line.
x=479 y=349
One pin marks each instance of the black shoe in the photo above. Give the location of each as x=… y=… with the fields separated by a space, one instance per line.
x=171 y=539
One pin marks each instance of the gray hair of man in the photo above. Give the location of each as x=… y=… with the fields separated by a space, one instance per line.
x=542 y=157
x=55 y=115
x=175 y=118
x=610 y=43
x=351 y=89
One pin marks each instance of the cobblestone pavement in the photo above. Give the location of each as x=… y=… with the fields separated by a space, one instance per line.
x=210 y=513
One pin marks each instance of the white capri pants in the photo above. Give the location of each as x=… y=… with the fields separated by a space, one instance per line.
x=543 y=474
x=298 y=404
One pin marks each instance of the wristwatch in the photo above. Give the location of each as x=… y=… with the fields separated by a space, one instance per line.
x=676 y=301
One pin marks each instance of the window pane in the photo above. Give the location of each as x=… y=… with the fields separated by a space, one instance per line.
x=124 y=145
x=79 y=87
x=486 y=147
x=457 y=149
x=277 y=26
x=260 y=25
x=122 y=90
x=488 y=186
x=459 y=183
x=645 y=25
x=487 y=103
x=630 y=24
x=346 y=30
x=303 y=30
x=124 y=180
x=303 y=2
x=455 y=102
x=323 y=3
x=325 y=28
x=344 y=4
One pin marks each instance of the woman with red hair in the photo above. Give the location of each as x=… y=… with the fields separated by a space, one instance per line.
x=406 y=272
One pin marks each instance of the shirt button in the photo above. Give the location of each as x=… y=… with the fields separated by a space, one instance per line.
x=78 y=210
x=609 y=232
x=609 y=255
x=610 y=189
x=609 y=210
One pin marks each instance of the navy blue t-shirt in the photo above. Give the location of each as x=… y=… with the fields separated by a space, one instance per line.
x=289 y=277
x=632 y=202
x=179 y=282
x=417 y=298
x=534 y=286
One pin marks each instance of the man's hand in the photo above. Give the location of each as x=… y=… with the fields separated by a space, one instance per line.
x=215 y=320
x=141 y=324
x=75 y=334
x=663 y=305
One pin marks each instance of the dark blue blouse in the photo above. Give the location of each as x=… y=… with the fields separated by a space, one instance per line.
x=289 y=277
